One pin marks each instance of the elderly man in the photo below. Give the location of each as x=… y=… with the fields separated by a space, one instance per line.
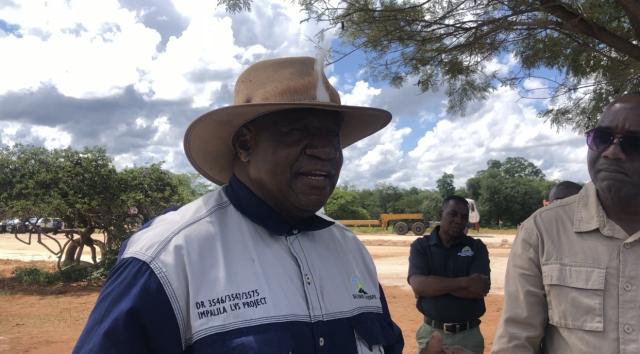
x=572 y=282
x=449 y=274
x=251 y=267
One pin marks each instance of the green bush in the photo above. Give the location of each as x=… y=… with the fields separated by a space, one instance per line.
x=35 y=276
x=75 y=273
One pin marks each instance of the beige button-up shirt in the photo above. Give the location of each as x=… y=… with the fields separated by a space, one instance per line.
x=572 y=283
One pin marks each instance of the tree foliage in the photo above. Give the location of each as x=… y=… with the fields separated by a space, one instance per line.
x=513 y=167
x=508 y=191
x=83 y=188
x=585 y=51
x=345 y=204
x=432 y=205
x=445 y=185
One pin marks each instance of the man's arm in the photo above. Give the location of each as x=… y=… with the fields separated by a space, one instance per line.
x=424 y=284
x=474 y=286
x=480 y=284
x=524 y=315
x=133 y=314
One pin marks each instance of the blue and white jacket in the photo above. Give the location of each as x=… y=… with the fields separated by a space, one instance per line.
x=227 y=274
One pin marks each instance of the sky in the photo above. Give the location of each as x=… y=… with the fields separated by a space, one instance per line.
x=130 y=75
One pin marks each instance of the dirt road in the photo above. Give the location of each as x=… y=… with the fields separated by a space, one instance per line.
x=49 y=320
x=391 y=256
x=390 y=253
x=28 y=249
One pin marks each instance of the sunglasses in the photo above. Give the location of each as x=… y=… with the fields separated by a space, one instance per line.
x=599 y=139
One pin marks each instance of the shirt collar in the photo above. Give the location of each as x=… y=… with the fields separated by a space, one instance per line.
x=258 y=211
x=434 y=239
x=590 y=215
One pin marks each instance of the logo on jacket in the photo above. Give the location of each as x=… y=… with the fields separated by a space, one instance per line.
x=466 y=252
x=360 y=292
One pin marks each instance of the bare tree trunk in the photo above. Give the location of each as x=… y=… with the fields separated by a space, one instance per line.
x=73 y=252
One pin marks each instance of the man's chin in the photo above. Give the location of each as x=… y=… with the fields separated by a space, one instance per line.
x=310 y=204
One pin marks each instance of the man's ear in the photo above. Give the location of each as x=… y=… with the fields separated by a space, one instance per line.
x=243 y=142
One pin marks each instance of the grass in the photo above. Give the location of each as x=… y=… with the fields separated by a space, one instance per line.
x=502 y=231
x=34 y=276
x=367 y=230
x=483 y=230
x=37 y=276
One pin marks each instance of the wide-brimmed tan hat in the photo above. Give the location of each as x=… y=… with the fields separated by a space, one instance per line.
x=265 y=87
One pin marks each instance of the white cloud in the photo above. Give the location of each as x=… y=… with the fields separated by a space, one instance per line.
x=81 y=48
x=535 y=88
x=81 y=72
x=500 y=127
x=501 y=65
x=54 y=138
x=49 y=137
x=360 y=95
x=8 y=133
x=373 y=160
x=162 y=125
x=168 y=76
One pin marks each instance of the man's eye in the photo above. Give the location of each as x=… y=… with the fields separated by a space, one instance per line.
x=291 y=131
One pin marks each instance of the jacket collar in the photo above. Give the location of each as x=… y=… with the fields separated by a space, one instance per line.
x=434 y=238
x=258 y=211
x=589 y=214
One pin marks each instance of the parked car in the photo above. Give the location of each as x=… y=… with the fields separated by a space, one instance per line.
x=47 y=222
x=16 y=226
x=51 y=223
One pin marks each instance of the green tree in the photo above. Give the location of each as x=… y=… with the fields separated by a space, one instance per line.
x=445 y=185
x=84 y=189
x=411 y=201
x=521 y=167
x=462 y=192
x=344 y=204
x=386 y=196
x=370 y=202
x=432 y=205
x=586 y=51
x=151 y=190
x=508 y=191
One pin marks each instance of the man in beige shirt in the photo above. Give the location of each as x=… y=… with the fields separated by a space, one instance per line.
x=573 y=276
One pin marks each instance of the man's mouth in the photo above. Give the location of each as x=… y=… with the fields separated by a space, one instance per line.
x=316 y=175
x=613 y=171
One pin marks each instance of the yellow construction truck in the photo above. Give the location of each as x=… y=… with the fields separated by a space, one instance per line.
x=401 y=223
x=414 y=222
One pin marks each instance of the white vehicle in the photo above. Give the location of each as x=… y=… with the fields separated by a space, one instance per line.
x=474 y=215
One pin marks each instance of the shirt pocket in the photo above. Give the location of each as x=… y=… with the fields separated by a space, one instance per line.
x=575 y=295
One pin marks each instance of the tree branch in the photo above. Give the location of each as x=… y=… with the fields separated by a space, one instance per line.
x=577 y=23
x=632 y=9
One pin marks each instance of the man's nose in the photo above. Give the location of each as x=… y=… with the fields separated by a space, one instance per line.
x=325 y=148
x=614 y=151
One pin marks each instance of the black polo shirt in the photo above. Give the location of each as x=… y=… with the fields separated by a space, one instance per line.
x=430 y=257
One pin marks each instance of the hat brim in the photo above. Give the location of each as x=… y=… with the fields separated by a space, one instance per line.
x=207 y=141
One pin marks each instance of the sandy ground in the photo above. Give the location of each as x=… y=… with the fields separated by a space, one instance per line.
x=49 y=320
x=28 y=249
x=391 y=256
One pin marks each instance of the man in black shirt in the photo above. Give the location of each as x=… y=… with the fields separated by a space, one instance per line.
x=449 y=274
